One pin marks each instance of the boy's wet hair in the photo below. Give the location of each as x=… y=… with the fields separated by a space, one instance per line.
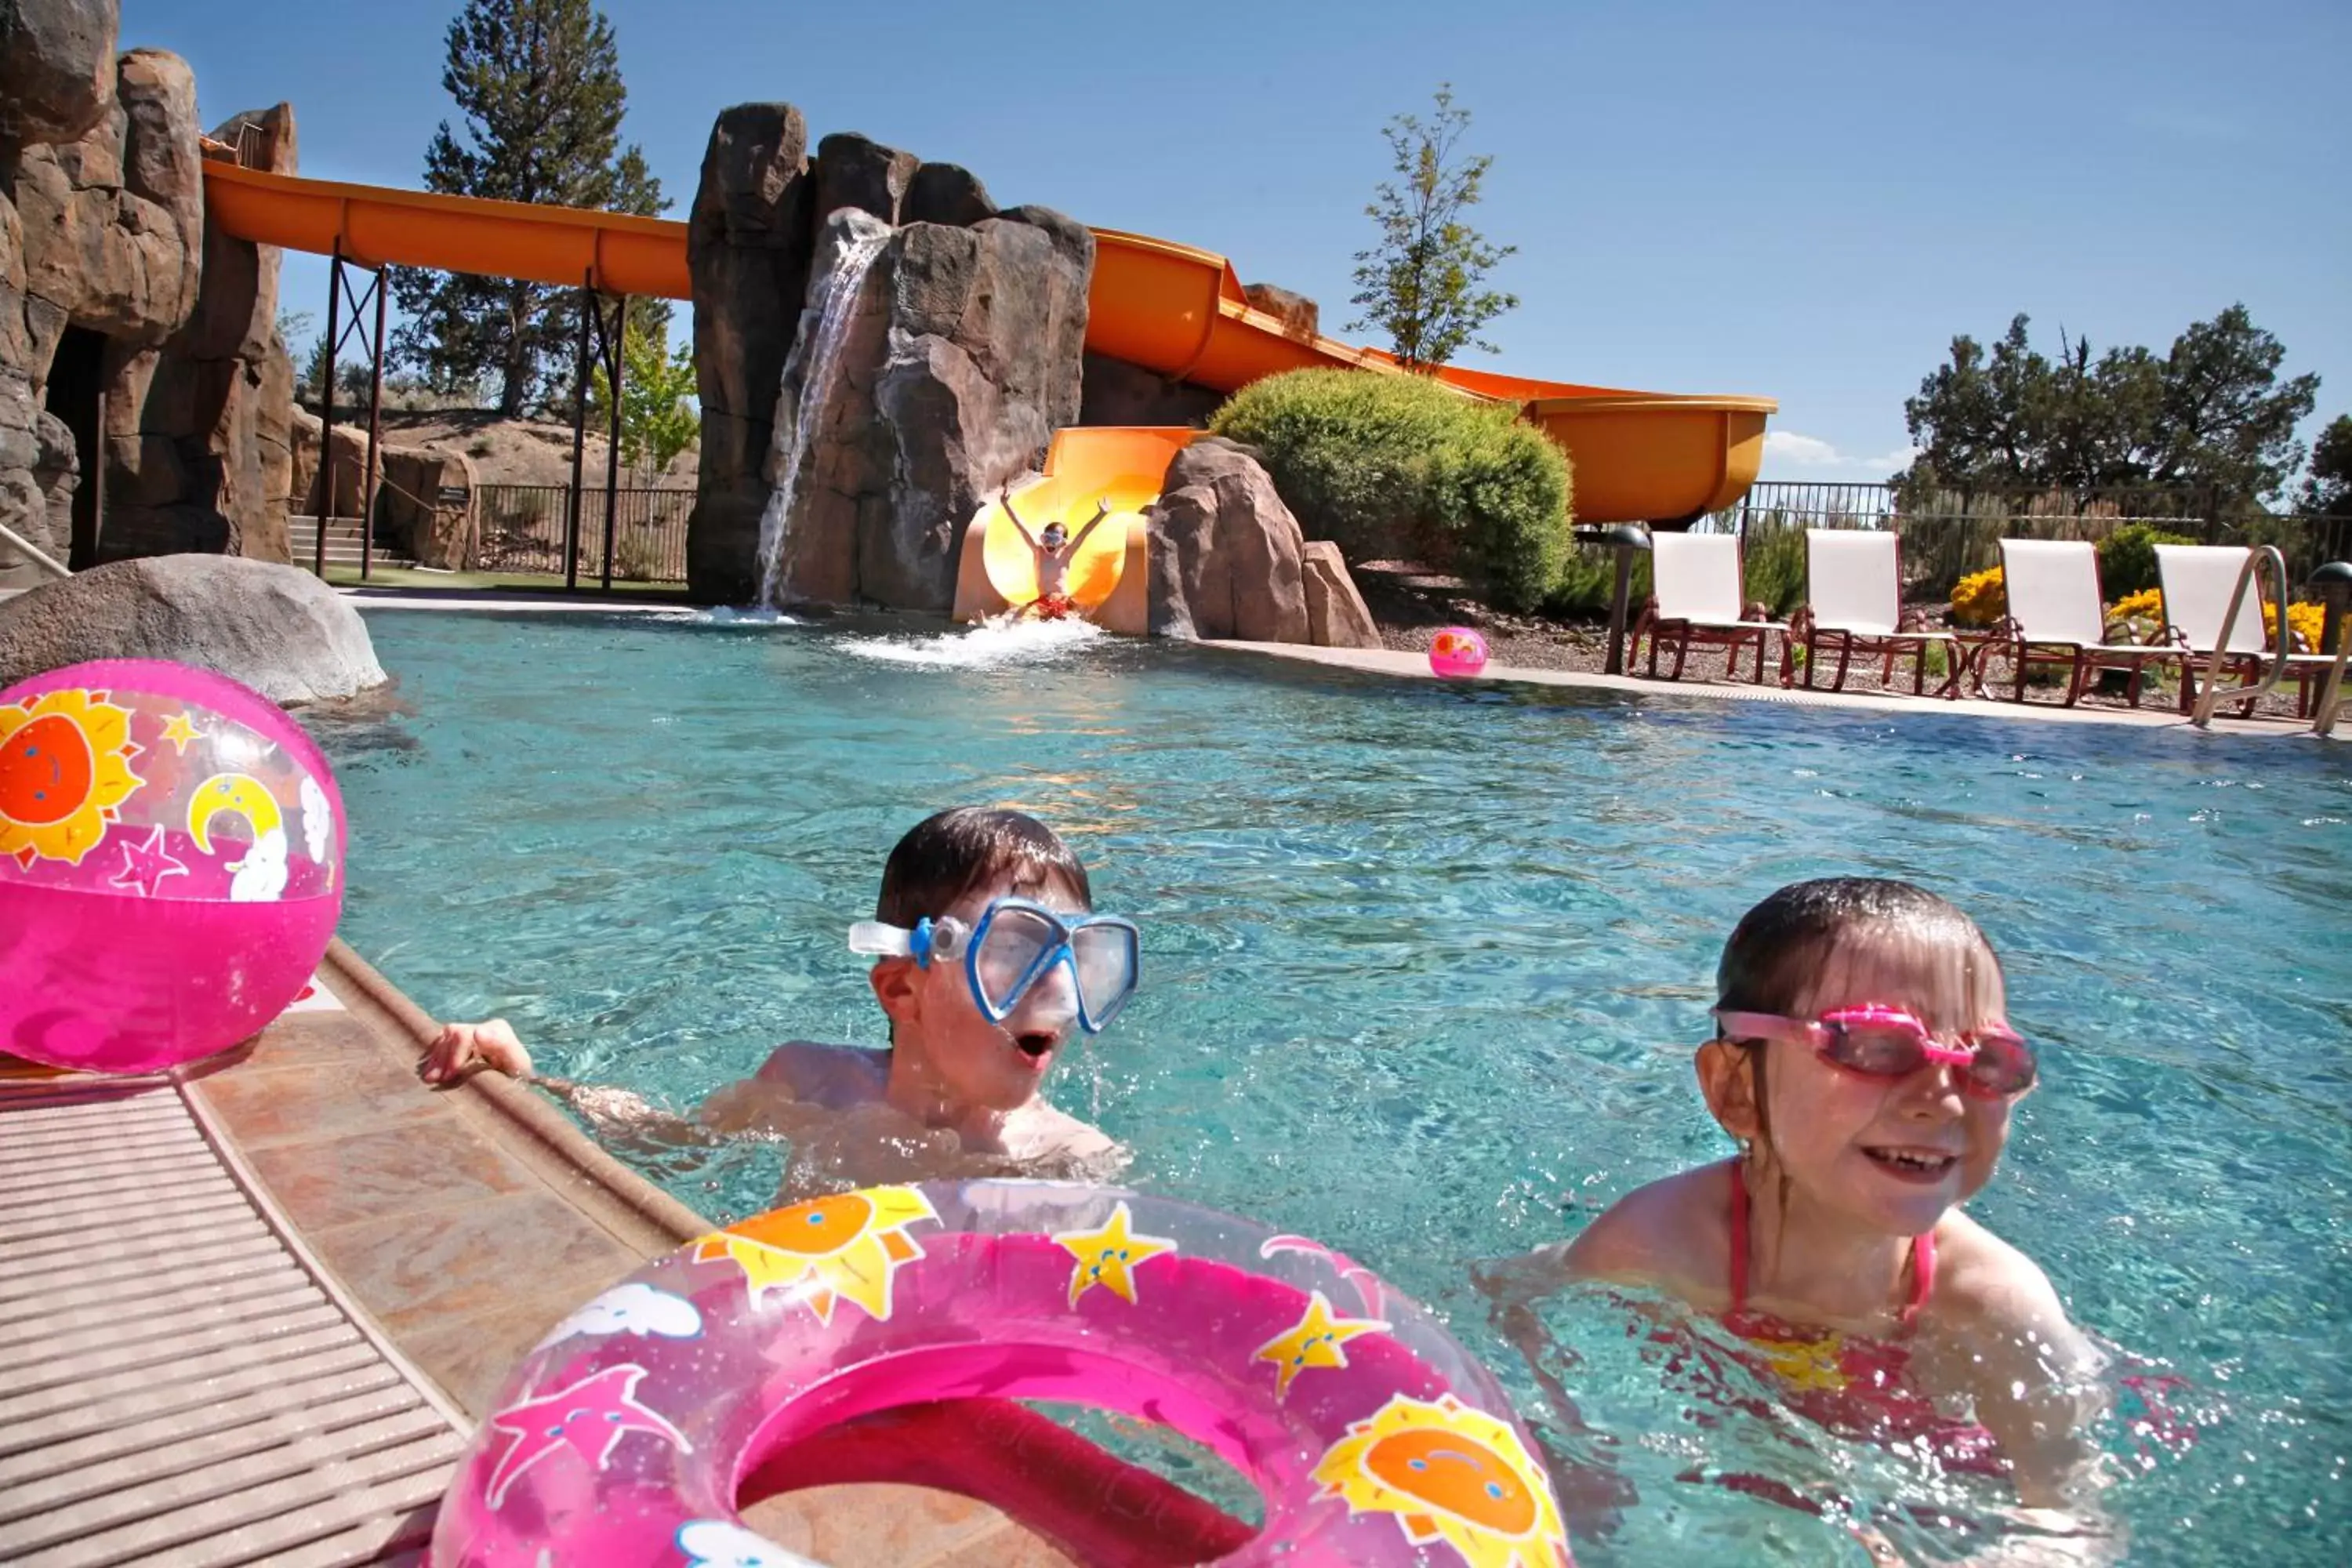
x=945 y=857
x=1782 y=948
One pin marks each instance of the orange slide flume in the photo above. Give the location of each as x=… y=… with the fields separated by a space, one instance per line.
x=1639 y=457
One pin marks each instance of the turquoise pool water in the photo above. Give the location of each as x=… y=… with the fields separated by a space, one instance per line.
x=1423 y=968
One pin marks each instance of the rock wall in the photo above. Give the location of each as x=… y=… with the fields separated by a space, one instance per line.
x=112 y=287
x=957 y=360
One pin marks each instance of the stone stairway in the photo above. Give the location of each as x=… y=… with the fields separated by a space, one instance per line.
x=342 y=543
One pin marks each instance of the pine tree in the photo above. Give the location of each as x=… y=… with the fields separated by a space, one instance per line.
x=539 y=85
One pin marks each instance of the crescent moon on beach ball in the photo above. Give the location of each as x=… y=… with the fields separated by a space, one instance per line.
x=239 y=793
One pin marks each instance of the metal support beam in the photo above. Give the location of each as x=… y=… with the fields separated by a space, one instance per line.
x=326 y=478
x=579 y=436
x=611 y=351
x=376 y=420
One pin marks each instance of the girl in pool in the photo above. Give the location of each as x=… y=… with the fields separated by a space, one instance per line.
x=1862 y=1061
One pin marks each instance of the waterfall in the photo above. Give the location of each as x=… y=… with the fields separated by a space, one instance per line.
x=820 y=356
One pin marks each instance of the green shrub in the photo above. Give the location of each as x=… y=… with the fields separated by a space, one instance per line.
x=1397 y=464
x=1772 y=567
x=1588 y=577
x=2127 y=558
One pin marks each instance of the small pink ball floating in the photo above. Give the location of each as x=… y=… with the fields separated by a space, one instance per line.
x=171 y=863
x=624 y=1436
x=1457 y=652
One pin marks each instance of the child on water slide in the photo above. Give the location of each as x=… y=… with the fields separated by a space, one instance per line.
x=1053 y=553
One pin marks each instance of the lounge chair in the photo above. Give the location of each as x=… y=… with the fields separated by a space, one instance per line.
x=2054 y=602
x=2197 y=582
x=1854 y=598
x=1698 y=597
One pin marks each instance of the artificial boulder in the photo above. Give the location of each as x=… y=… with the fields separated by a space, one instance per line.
x=748 y=250
x=958 y=361
x=1299 y=315
x=56 y=67
x=1225 y=551
x=946 y=193
x=1337 y=616
x=277 y=629
x=855 y=170
x=1119 y=392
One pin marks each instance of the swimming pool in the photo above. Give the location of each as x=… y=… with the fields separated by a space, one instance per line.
x=1423 y=965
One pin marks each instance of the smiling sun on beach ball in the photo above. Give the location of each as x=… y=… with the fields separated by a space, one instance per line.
x=171 y=863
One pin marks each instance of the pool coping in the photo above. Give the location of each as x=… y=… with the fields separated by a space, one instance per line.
x=1414 y=666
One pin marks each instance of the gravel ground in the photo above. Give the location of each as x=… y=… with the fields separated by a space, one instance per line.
x=1412 y=603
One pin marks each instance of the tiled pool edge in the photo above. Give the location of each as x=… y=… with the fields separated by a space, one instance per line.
x=1399 y=664
x=463 y=1223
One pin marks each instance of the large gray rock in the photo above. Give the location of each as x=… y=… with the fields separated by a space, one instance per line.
x=1119 y=392
x=57 y=68
x=1337 y=616
x=279 y=630
x=1225 y=551
x=203 y=426
x=855 y=170
x=946 y=193
x=748 y=242
x=113 y=223
x=961 y=359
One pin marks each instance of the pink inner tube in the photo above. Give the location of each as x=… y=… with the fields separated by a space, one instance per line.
x=628 y=1434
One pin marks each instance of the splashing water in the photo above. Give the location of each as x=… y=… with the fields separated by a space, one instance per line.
x=835 y=305
x=998 y=641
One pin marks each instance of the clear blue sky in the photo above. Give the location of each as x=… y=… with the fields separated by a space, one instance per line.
x=1803 y=200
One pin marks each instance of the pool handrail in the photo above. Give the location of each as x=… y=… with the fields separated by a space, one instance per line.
x=2210 y=692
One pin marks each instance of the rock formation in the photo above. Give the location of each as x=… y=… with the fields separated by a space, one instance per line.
x=277 y=628
x=944 y=377
x=115 y=297
x=1227 y=560
x=749 y=238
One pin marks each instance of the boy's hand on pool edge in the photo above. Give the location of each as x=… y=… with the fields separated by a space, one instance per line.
x=463 y=1049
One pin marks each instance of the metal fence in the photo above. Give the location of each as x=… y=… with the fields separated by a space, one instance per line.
x=519 y=528
x=1948 y=535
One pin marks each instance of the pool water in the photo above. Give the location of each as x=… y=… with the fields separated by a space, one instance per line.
x=1423 y=966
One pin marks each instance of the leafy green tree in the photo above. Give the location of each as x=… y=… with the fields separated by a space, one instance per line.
x=539 y=85
x=1423 y=282
x=2211 y=418
x=2327 y=489
x=659 y=417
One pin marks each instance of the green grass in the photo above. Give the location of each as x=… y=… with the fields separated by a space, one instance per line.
x=409 y=579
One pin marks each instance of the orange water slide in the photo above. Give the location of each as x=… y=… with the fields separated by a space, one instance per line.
x=1639 y=457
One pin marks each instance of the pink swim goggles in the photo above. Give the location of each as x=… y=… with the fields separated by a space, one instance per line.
x=1890 y=1042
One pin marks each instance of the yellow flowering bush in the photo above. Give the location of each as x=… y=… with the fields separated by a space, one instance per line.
x=2136 y=617
x=1980 y=599
x=2304 y=620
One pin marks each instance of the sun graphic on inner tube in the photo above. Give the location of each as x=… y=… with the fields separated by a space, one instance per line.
x=1448 y=1472
x=65 y=771
x=843 y=1248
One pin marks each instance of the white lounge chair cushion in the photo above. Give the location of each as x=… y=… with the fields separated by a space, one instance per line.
x=1696 y=577
x=2198 y=580
x=1852 y=581
x=2053 y=593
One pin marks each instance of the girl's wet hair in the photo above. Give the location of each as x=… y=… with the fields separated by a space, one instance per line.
x=1780 y=950
x=945 y=857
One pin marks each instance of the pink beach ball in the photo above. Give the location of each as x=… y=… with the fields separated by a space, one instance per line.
x=171 y=863
x=1457 y=652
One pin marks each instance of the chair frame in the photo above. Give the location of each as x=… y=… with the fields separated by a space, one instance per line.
x=1870 y=645
x=2086 y=660
x=1732 y=636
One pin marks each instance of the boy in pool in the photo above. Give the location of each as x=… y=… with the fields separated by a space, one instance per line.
x=988 y=957
x=1862 y=1061
x=1054 y=553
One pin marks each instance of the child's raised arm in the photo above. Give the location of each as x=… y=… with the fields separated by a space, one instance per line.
x=1004 y=500
x=1102 y=510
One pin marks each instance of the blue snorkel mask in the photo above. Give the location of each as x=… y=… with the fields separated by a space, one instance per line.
x=1015 y=943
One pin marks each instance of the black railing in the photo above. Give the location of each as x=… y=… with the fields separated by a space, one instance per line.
x=1948 y=533
x=519 y=528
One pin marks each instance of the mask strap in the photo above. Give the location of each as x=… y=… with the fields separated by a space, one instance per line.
x=879 y=941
